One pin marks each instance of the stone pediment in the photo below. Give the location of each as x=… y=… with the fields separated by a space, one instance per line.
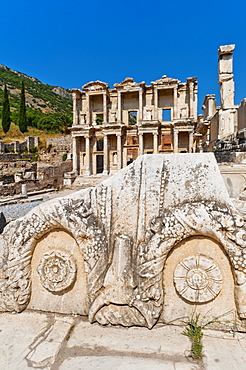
x=129 y=83
x=95 y=86
x=165 y=81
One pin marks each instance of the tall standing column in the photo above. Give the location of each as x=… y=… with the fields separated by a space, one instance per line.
x=119 y=151
x=119 y=106
x=140 y=104
x=190 y=141
x=140 y=138
x=155 y=103
x=155 y=143
x=175 y=141
x=87 y=156
x=105 y=155
x=175 y=103
x=75 y=154
x=105 y=110
x=191 y=89
x=88 y=115
x=75 y=113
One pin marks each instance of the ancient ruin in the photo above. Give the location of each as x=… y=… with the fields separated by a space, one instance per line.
x=156 y=241
x=112 y=127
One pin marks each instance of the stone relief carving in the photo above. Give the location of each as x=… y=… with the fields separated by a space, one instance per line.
x=197 y=279
x=75 y=215
x=129 y=83
x=95 y=85
x=124 y=263
x=57 y=271
x=165 y=80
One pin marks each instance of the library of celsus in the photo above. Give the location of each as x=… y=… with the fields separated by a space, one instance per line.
x=112 y=127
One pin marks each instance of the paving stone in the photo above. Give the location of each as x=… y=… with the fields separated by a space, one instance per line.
x=226 y=354
x=45 y=353
x=17 y=333
x=166 y=340
x=115 y=362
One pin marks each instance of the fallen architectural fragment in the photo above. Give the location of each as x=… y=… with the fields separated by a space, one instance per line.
x=155 y=242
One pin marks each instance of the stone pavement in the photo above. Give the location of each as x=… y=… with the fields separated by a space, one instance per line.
x=34 y=340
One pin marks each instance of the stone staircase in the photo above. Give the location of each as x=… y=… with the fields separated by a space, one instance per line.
x=82 y=182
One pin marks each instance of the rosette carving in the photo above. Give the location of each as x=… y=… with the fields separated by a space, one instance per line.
x=198 y=279
x=57 y=271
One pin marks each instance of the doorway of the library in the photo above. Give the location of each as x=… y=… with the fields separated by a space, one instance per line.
x=99 y=163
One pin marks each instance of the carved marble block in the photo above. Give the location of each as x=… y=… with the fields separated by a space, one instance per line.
x=155 y=242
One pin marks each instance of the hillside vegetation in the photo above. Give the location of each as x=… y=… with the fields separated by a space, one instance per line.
x=49 y=108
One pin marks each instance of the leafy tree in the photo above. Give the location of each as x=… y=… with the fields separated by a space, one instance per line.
x=22 y=110
x=65 y=121
x=48 y=123
x=6 y=118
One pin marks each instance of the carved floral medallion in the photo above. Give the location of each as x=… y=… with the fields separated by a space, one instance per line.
x=57 y=271
x=198 y=279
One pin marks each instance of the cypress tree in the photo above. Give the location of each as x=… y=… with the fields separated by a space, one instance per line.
x=6 y=118
x=22 y=111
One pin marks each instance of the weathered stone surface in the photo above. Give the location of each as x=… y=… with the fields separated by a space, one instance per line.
x=120 y=363
x=104 y=251
x=226 y=49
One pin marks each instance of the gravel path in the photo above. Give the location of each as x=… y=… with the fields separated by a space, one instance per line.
x=13 y=211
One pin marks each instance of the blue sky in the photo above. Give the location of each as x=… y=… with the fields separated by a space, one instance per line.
x=69 y=43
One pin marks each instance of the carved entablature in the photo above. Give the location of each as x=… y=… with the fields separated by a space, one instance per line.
x=76 y=93
x=95 y=86
x=165 y=81
x=129 y=84
x=126 y=229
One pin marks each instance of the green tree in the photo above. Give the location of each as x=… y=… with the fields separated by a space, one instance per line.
x=6 y=118
x=22 y=111
x=65 y=121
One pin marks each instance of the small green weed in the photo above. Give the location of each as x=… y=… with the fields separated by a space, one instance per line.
x=194 y=331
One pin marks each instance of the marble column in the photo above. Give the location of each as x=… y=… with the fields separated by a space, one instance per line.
x=88 y=115
x=140 y=104
x=175 y=141
x=75 y=113
x=87 y=156
x=124 y=157
x=191 y=92
x=75 y=154
x=155 y=143
x=119 y=106
x=200 y=147
x=119 y=152
x=190 y=141
x=105 y=110
x=105 y=155
x=155 y=103
x=175 y=103
x=141 y=149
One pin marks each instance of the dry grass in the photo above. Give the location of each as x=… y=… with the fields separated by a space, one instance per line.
x=15 y=134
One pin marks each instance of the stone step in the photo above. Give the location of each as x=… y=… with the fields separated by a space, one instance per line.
x=82 y=182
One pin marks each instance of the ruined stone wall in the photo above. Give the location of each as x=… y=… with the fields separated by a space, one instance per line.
x=47 y=176
x=47 y=173
x=229 y=156
x=60 y=144
x=16 y=146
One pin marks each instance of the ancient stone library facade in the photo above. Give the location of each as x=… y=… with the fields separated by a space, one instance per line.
x=112 y=127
